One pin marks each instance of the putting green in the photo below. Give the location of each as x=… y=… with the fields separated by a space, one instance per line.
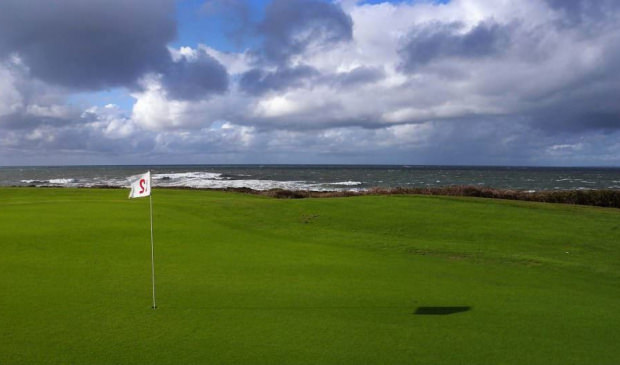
x=249 y=279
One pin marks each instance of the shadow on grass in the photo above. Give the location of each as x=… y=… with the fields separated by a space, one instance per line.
x=418 y=311
x=440 y=310
x=291 y=308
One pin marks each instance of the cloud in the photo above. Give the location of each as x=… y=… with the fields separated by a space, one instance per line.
x=358 y=75
x=88 y=45
x=27 y=102
x=195 y=75
x=10 y=98
x=257 y=81
x=583 y=12
x=429 y=42
x=291 y=27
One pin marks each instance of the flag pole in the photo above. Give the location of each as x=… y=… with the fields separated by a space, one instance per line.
x=152 y=246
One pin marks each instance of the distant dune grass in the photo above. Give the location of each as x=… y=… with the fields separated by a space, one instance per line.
x=386 y=279
x=599 y=198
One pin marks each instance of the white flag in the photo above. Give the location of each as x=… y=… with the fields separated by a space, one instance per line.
x=141 y=187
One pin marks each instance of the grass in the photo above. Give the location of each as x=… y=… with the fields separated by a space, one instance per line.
x=609 y=198
x=251 y=279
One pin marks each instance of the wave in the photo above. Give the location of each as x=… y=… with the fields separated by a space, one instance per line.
x=62 y=181
x=34 y=181
x=50 y=181
x=199 y=180
x=346 y=183
x=214 y=180
x=252 y=184
x=188 y=175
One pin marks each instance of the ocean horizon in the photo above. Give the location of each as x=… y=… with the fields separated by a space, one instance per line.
x=317 y=177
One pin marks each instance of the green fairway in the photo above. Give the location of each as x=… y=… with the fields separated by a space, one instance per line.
x=250 y=279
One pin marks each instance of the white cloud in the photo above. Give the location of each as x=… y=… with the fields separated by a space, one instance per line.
x=48 y=111
x=278 y=106
x=235 y=63
x=10 y=98
x=152 y=110
x=111 y=121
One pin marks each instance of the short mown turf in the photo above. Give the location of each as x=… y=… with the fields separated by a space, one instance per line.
x=250 y=279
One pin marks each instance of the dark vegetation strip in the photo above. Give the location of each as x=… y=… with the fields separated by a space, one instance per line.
x=599 y=198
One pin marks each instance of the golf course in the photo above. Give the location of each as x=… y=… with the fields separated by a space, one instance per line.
x=240 y=278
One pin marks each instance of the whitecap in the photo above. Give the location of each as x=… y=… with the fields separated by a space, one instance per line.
x=188 y=175
x=62 y=181
x=346 y=183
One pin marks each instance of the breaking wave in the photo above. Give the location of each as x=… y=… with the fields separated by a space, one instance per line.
x=347 y=183
x=50 y=182
x=187 y=176
x=200 y=180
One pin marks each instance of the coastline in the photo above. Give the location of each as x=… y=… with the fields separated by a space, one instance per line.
x=609 y=198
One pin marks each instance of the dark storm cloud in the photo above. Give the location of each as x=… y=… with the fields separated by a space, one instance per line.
x=592 y=111
x=599 y=120
x=359 y=75
x=195 y=79
x=23 y=121
x=88 y=44
x=290 y=26
x=576 y=12
x=589 y=102
x=257 y=81
x=436 y=40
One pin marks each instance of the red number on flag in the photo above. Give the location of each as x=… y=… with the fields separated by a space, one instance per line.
x=142 y=182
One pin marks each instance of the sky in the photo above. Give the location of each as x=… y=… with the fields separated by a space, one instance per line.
x=458 y=82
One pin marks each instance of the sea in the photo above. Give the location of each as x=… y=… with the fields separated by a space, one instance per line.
x=317 y=177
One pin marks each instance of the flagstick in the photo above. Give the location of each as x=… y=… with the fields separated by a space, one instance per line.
x=152 y=252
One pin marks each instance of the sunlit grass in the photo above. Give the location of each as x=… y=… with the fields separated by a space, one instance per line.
x=250 y=279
